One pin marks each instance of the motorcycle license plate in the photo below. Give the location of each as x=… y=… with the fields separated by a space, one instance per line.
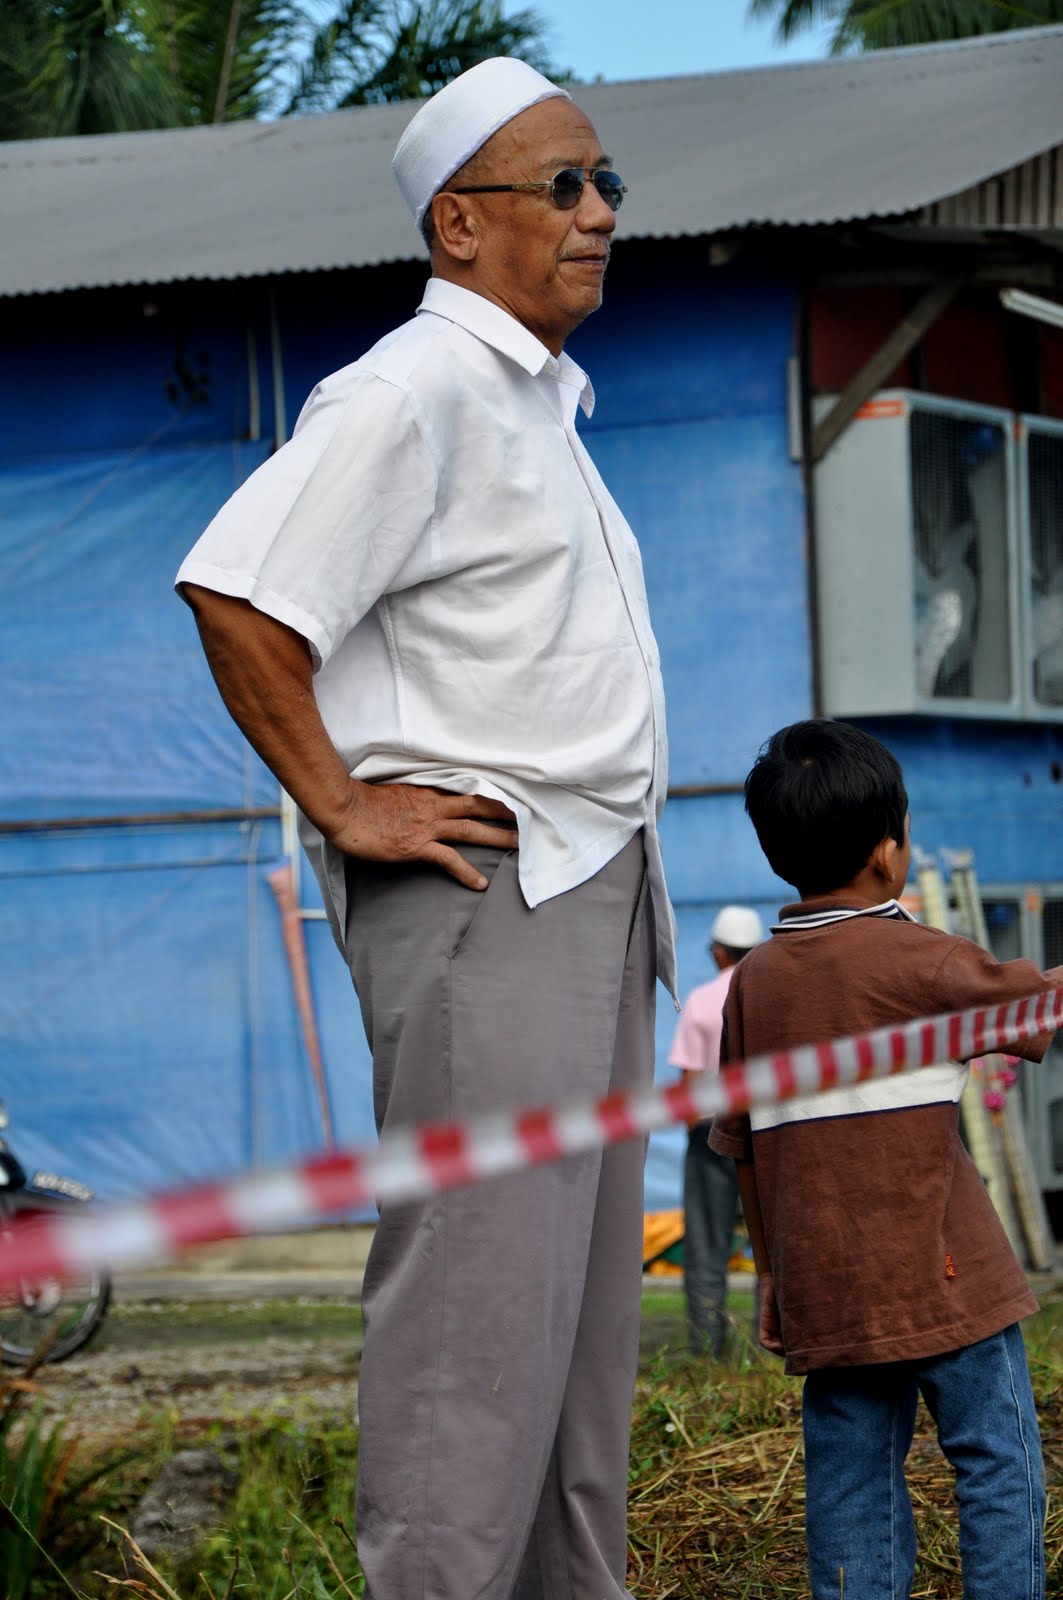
x=57 y=1185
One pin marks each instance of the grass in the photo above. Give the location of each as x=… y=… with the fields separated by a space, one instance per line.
x=664 y=1324
x=298 y=1480
x=157 y=1326
x=285 y=1533
x=51 y=1493
x=715 y=1497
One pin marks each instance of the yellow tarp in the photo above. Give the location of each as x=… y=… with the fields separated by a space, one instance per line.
x=662 y=1242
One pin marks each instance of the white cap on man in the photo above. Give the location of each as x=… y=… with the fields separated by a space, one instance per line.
x=458 y=120
x=737 y=927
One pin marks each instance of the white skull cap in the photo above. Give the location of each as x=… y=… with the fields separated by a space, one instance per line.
x=738 y=927
x=451 y=126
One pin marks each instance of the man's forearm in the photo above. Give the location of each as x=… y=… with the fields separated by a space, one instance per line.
x=265 y=677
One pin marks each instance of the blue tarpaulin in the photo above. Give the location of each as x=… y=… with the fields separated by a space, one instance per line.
x=149 y=1031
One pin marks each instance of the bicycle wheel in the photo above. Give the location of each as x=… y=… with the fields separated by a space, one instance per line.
x=45 y=1319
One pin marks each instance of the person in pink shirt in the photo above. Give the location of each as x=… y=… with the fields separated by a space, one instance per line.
x=710 y=1186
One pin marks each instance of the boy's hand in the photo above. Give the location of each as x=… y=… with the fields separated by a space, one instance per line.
x=770 y=1329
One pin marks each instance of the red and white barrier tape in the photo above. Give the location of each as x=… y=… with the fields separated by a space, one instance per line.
x=410 y=1164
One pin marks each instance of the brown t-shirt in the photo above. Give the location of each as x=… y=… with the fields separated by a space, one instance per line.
x=883 y=1242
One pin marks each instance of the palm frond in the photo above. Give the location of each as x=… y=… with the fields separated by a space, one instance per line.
x=795 y=16
x=335 y=52
x=78 y=66
x=191 y=36
x=893 y=24
x=94 y=66
x=402 y=50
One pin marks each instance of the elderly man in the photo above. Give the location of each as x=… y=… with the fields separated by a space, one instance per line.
x=428 y=616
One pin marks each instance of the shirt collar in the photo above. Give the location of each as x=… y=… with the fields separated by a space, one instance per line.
x=486 y=321
x=821 y=913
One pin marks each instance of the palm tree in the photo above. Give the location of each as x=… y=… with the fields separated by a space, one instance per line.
x=890 y=24
x=95 y=66
x=77 y=66
x=371 y=52
x=223 y=58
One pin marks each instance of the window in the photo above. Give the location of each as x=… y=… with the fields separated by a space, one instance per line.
x=1041 y=509
x=939 y=561
x=959 y=490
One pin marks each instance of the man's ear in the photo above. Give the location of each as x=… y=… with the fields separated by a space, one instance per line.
x=455 y=227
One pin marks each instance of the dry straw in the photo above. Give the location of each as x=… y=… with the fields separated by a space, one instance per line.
x=717 y=1491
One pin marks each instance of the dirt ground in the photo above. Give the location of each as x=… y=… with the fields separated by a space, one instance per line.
x=102 y=1392
x=262 y=1325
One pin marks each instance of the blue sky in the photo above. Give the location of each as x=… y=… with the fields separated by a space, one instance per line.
x=638 y=39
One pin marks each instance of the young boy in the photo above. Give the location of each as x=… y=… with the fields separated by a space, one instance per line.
x=884 y=1270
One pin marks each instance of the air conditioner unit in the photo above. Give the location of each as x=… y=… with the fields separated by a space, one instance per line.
x=917 y=573
x=1040 y=467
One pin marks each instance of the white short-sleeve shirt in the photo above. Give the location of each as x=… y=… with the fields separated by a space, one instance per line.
x=472 y=596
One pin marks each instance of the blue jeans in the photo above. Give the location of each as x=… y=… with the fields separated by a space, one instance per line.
x=858 y=1424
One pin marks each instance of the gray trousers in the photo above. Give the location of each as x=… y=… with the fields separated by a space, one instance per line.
x=501 y=1320
x=710 y=1210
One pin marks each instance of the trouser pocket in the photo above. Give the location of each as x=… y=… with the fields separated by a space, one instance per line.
x=466 y=904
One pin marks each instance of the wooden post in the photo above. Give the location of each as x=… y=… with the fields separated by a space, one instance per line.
x=874 y=372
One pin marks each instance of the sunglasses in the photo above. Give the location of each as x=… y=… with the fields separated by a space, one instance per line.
x=566 y=187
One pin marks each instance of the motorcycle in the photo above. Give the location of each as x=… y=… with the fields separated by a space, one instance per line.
x=44 y=1319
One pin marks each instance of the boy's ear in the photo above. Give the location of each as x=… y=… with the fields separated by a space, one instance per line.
x=883 y=858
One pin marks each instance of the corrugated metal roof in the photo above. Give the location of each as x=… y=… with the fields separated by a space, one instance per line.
x=873 y=135
x=1029 y=196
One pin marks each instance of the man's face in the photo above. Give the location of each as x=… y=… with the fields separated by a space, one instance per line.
x=543 y=265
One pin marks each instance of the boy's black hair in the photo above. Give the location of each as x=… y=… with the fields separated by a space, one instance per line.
x=821 y=796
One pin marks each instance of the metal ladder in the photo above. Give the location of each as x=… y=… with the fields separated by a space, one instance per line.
x=978 y=1130
x=1029 y=1202
x=997 y=1143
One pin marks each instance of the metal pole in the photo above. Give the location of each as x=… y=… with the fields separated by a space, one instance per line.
x=289 y=815
x=140 y=819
